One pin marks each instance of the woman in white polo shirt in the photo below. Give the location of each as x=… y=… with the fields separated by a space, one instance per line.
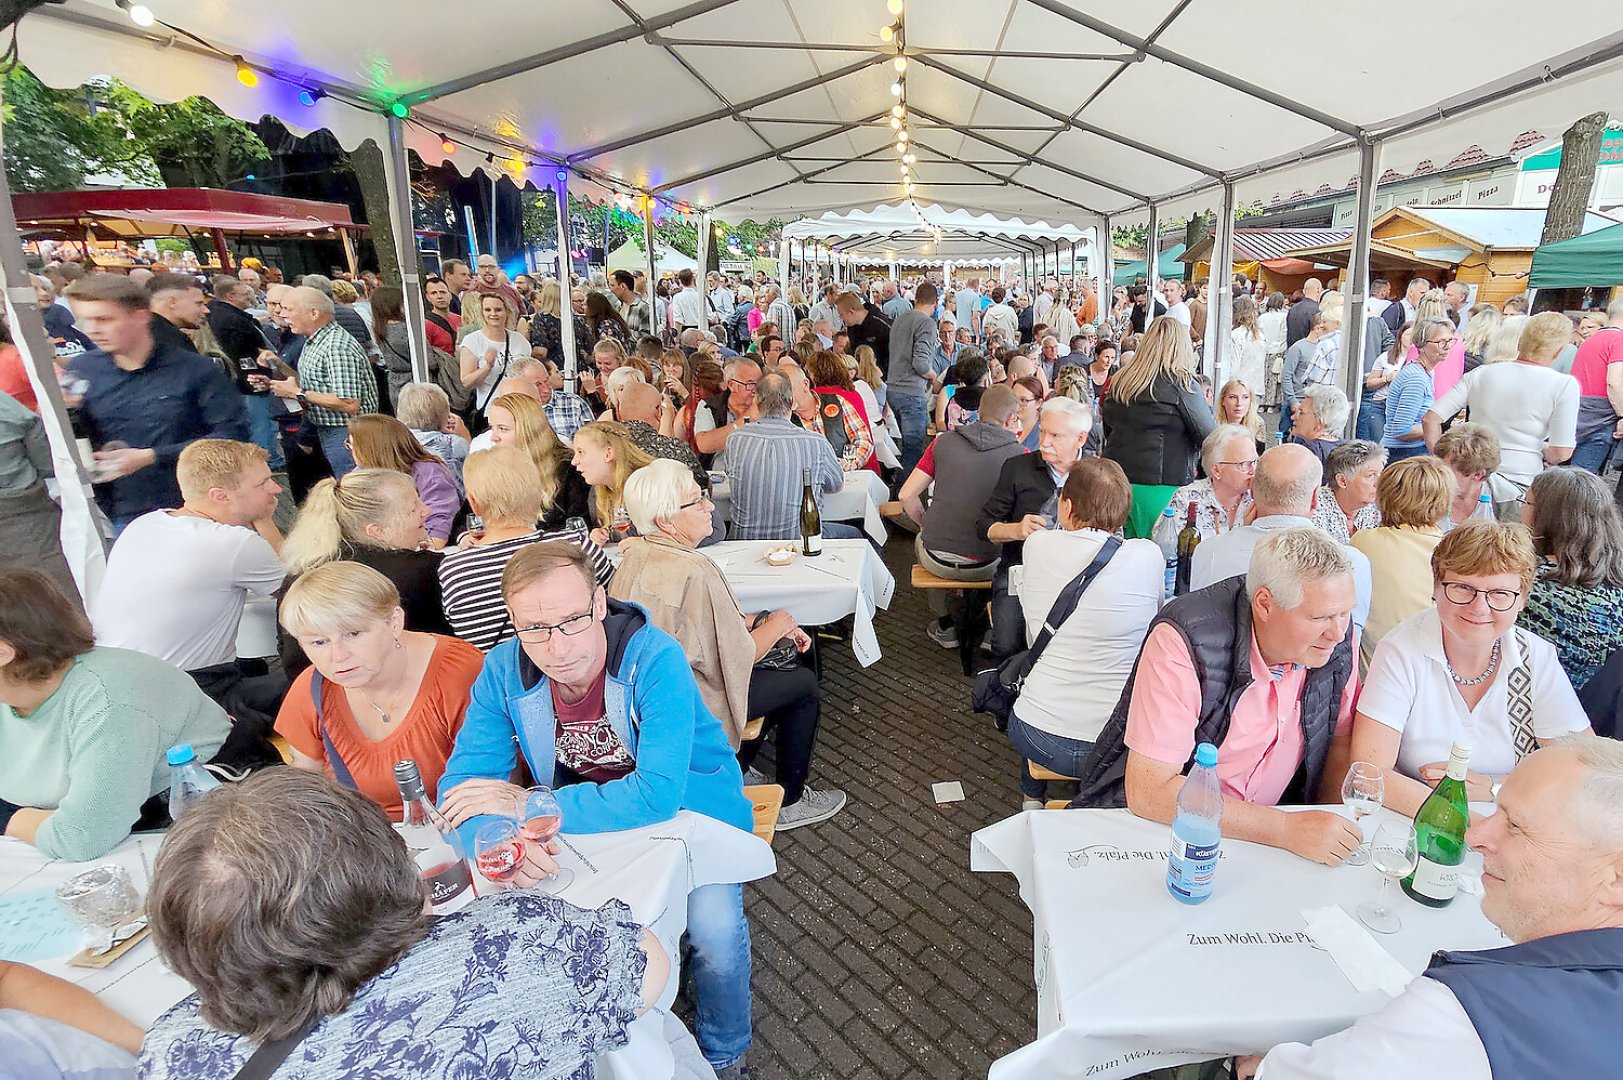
x=1461 y=669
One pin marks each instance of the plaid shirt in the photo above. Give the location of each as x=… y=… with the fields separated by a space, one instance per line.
x=567 y=413
x=858 y=438
x=334 y=363
x=1321 y=367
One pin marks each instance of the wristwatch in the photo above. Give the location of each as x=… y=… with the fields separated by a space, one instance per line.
x=300 y=398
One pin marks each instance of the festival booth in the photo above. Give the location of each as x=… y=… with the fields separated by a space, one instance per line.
x=1261 y=255
x=1488 y=249
x=1592 y=260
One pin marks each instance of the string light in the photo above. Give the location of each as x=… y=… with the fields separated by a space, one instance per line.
x=901 y=136
x=246 y=75
x=139 y=14
x=887 y=33
x=898 y=111
x=909 y=159
x=400 y=110
x=900 y=63
x=901 y=147
x=896 y=122
x=895 y=7
x=896 y=89
x=447 y=145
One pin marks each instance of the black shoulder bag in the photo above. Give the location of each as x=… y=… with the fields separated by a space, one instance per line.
x=997 y=688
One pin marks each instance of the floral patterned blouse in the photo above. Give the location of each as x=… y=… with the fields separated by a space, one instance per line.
x=516 y=984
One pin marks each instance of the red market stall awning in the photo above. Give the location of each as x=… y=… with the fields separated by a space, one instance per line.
x=154 y=212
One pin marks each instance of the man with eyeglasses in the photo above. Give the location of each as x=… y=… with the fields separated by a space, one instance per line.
x=601 y=705
x=1411 y=394
x=727 y=412
x=1285 y=490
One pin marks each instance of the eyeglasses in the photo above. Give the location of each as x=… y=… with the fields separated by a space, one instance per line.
x=696 y=502
x=1458 y=592
x=1243 y=466
x=1441 y=340
x=1025 y=400
x=540 y=634
x=739 y=384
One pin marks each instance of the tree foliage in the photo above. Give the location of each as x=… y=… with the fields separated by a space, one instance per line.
x=677 y=231
x=58 y=139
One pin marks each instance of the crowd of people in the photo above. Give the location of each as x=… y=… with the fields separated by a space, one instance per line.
x=1367 y=585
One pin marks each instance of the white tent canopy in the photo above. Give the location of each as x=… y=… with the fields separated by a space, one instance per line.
x=628 y=256
x=912 y=233
x=769 y=107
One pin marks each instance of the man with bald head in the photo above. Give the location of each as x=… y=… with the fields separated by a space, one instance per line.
x=335 y=378
x=1299 y=319
x=643 y=410
x=1552 y=881
x=1285 y=492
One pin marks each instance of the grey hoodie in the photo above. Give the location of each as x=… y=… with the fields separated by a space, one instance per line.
x=967 y=463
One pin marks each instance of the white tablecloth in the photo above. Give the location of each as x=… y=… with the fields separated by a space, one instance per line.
x=848 y=578
x=651 y=869
x=1129 y=980
x=859 y=499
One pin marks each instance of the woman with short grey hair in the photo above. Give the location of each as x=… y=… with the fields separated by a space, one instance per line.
x=1228 y=456
x=426 y=410
x=746 y=665
x=1347 y=499
x=1320 y=419
x=296 y=912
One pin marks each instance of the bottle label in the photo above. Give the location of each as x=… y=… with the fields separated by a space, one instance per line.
x=813 y=543
x=450 y=886
x=1191 y=868
x=1434 y=880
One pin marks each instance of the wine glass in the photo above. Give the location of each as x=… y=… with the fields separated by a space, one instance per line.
x=540 y=819
x=621 y=527
x=1393 y=853
x=1362 y=792
x=102 y=900
x=498 y=851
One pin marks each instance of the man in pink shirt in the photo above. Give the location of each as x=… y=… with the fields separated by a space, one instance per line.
x=1265 y=667
x=1598 y=367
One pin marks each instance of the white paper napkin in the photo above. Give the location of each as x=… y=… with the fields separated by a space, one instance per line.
x=1360 y=957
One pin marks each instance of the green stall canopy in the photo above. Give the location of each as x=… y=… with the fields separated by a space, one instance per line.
x=1167 y=264
x=1592 y=259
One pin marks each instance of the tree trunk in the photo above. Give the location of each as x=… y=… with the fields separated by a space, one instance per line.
x=367 y=161
x=1569 y=199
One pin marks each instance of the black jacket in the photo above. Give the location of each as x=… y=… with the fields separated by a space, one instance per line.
x=874 y=332
x=1299 y=320
x=241 y=340
x=1156 y=437
x=1023 y=487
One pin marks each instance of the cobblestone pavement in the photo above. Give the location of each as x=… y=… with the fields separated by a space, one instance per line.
x=877 y=953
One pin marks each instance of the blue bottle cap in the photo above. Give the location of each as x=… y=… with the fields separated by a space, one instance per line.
x=1206 y=754
x=180 y=755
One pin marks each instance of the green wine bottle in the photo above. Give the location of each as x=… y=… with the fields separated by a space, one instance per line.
x=1440 y=835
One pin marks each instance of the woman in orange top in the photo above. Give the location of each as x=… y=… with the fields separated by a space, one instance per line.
x=386 y=693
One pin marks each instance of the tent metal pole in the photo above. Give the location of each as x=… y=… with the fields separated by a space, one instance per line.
x=1220 y=309
x=1353 y=325
x=79 y=509
x=707 y=236
x=570 y=361
x=783 y=264
x=648 y=206
x=1152 y=260
x=1107 y=268
x=397 y=174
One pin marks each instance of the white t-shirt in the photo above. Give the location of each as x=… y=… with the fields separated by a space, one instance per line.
x=687 y=308
x=175 y=587
x=514 y=348
x=1180 y=311
x=1526 y=405
x=1410 y=691
x=1078 y=680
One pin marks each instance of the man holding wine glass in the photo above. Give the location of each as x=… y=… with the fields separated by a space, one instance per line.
x=603 y=708
x=1546 y=1006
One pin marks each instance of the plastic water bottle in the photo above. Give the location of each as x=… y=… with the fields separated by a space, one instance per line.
x=188 y=780
x=1484 y=507
x=1166 y=538
x=1197 y=831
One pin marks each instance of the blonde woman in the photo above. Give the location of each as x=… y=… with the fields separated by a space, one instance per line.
x=868 y=375
x=376 y=518
x=382 y=442
x=1155 y=419
x=502 y=491
x=488 y=351
x=1237 y=404
x=546 y=327
x=376 y=693
x=518 y=420
x=606 y=457
x=1505 y=344
x=1249 y=356
x=1478 y=333
x=1413 y=496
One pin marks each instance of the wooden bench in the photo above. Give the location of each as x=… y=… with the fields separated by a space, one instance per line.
x=1037 y=772
x=766 y=800
x=752 y=730
x=924 y=579
x=892 y=510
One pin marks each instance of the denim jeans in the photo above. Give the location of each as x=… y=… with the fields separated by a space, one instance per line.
x=1398 y=453
x=719 y=938
x=839 y=530
x=263 y=428
x=339 y=459
x=1371 y=419
x=1062 y=755
x=1008 y=618
x=912 y=417
x=1593 y=451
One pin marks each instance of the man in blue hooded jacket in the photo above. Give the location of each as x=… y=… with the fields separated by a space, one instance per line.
x=604 y=708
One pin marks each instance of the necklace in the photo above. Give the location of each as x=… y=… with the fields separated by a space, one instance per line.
x=1493 y=665
x=384 y=715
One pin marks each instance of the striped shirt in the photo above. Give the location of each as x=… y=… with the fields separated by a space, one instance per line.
x=471 y=581
x=333 y=363
x=764 y=463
